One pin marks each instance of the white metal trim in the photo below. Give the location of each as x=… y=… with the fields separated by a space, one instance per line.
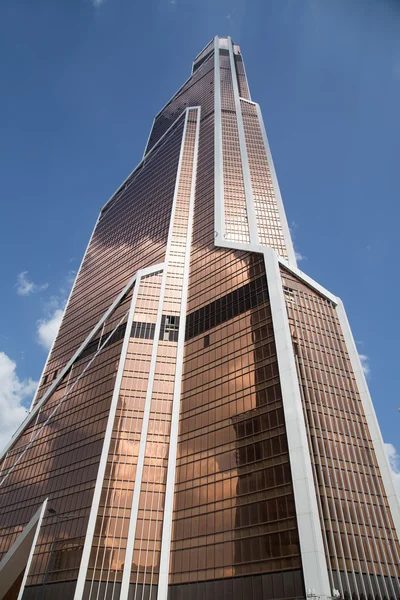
x=31 y=553
x=80 y=585
x=163 y=136
x=248 y=189
x=362 y=495
x=162 y=591
x=33 y=524
x=370 y=415
x=91 y=335
x=307 y=279
x=65 y=309
x=300 y=274
x=174 y=96
x=198 y=54
x=145 y=157
x=178 y=91
x=232 y=245
x=337 y=478
x=219 y=212
x=196 y=57
x=181 y=88
x=247 y=82
x=278 y=197
x=312 y=551
x=21 y=536
x=69 y=364
x=305 y=394
x=148 y=139
x=149 y=392
x=248 y=101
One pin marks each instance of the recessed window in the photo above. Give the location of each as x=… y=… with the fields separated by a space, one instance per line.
x=169 y=328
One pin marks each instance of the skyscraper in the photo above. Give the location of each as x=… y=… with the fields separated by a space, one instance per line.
x=202 y=428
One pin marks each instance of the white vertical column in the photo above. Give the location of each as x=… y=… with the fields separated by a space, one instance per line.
x=370 y=415
x=64 y=311
x=33 y=547
x=126 y=575
x=219 y=212
x=251 y=214
x=162 y=591
x=277 y=192
x=80 y=585
x=312 y=551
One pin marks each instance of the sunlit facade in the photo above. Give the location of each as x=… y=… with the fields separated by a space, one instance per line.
x=202 y=429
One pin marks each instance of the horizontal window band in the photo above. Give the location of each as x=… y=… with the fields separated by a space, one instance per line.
x=235 y=303
x=215 y=313
x=96 y=343
x=144 y=331
x=202 y=60
x=140 y=330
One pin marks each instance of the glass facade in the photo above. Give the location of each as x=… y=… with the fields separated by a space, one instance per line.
x=57 y=457
x=160 y=434
x=362 y=547
x=234 y=506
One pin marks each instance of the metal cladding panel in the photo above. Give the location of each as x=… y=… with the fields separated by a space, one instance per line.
x=362 y=546
x=197 y=91
x=234 y=505
x=269 y=225
x=131 y=234
x=58 y=453
x=57 y=457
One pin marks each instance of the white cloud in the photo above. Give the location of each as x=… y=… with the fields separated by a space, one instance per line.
x=97 y=3
x=14 y=392
x=47 y=329
x=299 y=256
x=25 y=287
x=65 y=288
x=394 y=462
x=365 y=364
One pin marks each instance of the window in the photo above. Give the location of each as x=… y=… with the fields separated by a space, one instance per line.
x=169 y=328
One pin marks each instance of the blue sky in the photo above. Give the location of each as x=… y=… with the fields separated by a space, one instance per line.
x=81 y=82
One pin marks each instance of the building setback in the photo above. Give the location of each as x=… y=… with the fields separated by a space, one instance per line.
x=202 y=429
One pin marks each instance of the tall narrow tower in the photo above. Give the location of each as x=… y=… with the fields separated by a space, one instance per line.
x=202 y=429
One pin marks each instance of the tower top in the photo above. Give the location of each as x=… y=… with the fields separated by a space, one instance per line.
x=223 y=44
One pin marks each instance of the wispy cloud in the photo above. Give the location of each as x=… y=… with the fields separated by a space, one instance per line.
x=14 y=393
x=97 y=3
x=293 y=227
x=365 y=364
x=25 y=287
x=394 y=462
x=230 y=15
x=47 y=327
x=299 y=256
